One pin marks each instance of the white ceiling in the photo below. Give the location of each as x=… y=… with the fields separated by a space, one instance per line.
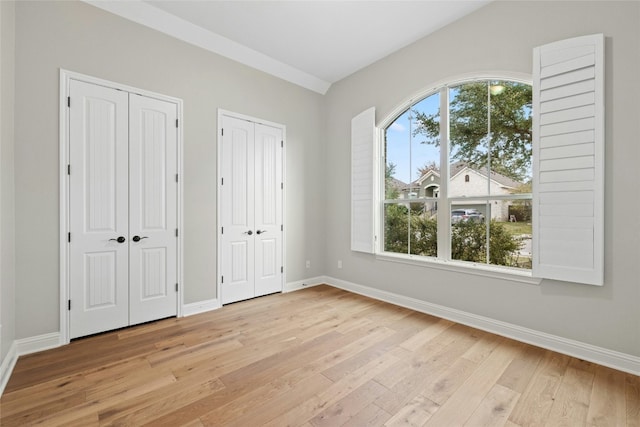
x=310 y=43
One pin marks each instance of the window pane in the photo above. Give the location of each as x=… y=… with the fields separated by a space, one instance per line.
x=509 y=226
x=425 y=147
x=396 y=228
x=398 y=157
x=510 y=129
x=412 y=152
x=501 y=140
x=469 y=232
x=510 y=233
x=468 y=140
x=424 y=229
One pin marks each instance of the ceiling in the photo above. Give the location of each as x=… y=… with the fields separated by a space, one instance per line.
x=309 y=43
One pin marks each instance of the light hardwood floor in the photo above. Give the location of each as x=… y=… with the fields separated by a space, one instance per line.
x=316 y=357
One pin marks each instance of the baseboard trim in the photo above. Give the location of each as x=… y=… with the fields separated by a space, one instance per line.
x=302 y=284
x=200 y=307
x=23 y=347
x=38 y=343
x=602 y=356
x=6 y=368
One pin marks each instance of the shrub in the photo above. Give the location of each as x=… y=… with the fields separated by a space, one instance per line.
x=468 y=243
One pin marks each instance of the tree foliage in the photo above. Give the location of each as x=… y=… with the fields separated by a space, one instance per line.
x=428 y=166
x=510 y=122
x=468 y=238
x=390 y=190
x=469 y=243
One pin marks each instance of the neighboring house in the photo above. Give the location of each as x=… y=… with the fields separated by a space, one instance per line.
x=465 y=181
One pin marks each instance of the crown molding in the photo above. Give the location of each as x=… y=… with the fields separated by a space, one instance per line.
x=157 y=19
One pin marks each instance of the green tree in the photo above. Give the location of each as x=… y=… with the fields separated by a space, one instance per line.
x=390 y=190
x=522 y=209
x=469 y=243
x=428 y=166
x=424 y=236
x=396 y=228
x=510 y=142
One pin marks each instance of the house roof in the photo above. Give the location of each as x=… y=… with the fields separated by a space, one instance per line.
x=458 y=167
x=396 y=183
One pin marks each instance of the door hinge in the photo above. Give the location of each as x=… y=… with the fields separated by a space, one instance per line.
x=221 y=181
x=69 y=237
x=281 y=144
x=176 y=177
x=68 y=169
x=222 y=279
x=69 y=101
x=221 y=230
x=69 y=304
x=281 y=269
x=222 y=131
x=176 y=287
x=281 y=227
x=282 y=185
x=176 y=232
x=176 y=122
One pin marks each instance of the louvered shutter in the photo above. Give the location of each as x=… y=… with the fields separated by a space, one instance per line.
x=362 y=181
x=568 y=166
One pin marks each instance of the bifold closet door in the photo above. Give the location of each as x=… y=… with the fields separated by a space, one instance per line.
x=122 y=209
x=251 y=210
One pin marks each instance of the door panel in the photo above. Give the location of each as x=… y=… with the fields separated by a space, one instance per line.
x=237 y=210
x=98 y=206
x=152 y=209
x=268 y=218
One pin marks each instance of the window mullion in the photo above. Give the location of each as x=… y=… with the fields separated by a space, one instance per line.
x=443 y=215
x=487 y=205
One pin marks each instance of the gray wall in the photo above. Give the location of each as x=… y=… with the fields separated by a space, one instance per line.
x=7 y=223
x=500 y=37
x=79 y=37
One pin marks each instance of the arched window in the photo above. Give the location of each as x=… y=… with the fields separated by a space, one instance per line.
x=489 y=127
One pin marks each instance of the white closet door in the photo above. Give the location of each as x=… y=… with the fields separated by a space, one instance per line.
x=152 y=209
x=98 y=184
x=268 y=209
x=237 y=210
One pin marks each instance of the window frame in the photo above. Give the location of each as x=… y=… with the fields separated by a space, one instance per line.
x=444 y=226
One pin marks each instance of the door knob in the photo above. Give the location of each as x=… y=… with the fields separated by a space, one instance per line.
x=248 y=232
x=261 y=231
x=120 y=239
x=138 y=238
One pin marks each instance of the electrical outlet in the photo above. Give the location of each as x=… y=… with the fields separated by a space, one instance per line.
x=339 y=263
x=308 y=264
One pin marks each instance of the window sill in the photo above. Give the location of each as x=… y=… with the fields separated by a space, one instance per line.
x=503 y=273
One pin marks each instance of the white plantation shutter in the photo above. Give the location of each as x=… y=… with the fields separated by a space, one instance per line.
x=568 y=166
x=362 y=181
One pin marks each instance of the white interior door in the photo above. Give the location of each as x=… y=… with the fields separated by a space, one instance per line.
x=98 y=205
x=268 y=210
x=251 y=209
x=237 y=210
x=123 y=196
x=153 y=190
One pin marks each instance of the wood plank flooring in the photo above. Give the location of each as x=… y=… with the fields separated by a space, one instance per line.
x=316 y=357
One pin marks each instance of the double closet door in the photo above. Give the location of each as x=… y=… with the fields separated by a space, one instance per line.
x=122 y=209
x=251 y=191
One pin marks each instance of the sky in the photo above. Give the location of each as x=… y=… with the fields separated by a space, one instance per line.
x=406 y=151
